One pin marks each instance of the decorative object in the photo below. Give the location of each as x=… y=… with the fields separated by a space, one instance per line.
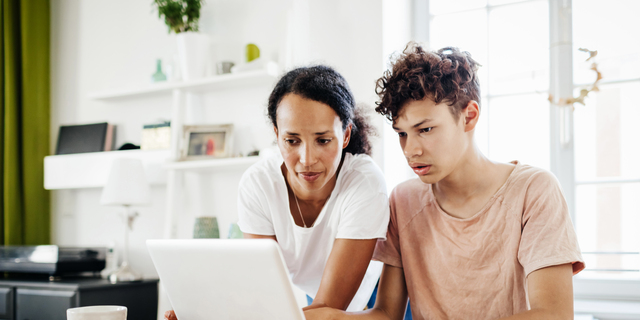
x=129 y=146
x=193 y=53
x=207 y=141
x=158 y=76
x=156 y=136
x=258 y=64
x=252 y=52
x=584 y=92
x=85 y=138
x=224 y=67
x=234 y=232
x=206 y=227
x=182 y=17
x=126 y=186
x=97 y=313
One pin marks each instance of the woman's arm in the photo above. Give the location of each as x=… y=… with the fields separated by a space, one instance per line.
x=391 y=301
x=343 y=273
x=257 y=236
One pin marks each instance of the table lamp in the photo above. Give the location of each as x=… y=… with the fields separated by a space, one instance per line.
x=126 y=186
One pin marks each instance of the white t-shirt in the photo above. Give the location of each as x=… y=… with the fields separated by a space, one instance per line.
x=358 y=208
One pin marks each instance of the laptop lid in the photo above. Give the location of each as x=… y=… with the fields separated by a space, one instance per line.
x=225 y=279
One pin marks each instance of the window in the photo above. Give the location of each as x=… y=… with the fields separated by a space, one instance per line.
x=511 y=40
x=607 y=150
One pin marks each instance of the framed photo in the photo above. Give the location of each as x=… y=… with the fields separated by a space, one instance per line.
x=207 y=141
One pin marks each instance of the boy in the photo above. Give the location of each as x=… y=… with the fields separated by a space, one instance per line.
x=470 y=238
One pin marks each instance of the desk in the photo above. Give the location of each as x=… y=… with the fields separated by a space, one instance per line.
x=31 y=299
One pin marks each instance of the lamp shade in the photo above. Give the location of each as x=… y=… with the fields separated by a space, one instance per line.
x=126 y=185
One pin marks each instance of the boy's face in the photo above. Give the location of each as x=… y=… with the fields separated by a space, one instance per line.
x=432 y=140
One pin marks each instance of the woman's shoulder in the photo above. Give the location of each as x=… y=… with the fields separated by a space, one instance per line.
x=266 y=170
x=360 y=171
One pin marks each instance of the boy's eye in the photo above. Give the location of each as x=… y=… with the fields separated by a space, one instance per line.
x=426 y=129
x=401 y=134
x=324 y=141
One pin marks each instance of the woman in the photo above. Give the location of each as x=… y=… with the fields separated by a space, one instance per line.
x=322 y=198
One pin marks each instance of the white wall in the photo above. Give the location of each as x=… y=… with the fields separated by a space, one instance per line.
x=106 y=44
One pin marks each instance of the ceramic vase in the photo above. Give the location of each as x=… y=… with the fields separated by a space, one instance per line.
x=193 y=53
x=206 y=227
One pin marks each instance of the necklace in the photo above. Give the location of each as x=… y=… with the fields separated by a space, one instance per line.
x=299 y=211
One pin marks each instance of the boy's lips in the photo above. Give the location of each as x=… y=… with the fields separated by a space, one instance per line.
x=420 y=168
x=309 y=176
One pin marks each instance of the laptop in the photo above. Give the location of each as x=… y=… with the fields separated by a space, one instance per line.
x=225 y=279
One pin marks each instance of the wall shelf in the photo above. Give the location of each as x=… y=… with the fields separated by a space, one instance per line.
x=90 y=170
x=212 y=165
x=209 y=84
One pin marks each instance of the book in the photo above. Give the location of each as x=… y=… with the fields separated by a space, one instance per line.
x=85 y=138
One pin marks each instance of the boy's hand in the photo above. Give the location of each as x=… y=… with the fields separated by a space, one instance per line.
x=170 y=315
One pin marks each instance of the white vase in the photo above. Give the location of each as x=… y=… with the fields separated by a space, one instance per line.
x=193 y=53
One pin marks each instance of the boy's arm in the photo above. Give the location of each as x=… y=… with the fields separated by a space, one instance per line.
x=391 y=300
x=550 y=294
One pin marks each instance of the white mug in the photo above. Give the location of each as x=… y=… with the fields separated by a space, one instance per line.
x=97 y=313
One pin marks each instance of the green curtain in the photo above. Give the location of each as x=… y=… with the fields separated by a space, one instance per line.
x=24 y=122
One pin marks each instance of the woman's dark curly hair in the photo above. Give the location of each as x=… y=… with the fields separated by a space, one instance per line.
x=447 y=75
x=325 y=85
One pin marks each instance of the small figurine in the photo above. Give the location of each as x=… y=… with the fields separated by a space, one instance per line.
x=158 y=76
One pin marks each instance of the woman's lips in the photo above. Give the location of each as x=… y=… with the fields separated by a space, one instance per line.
x=421 y=170
x=310 y=176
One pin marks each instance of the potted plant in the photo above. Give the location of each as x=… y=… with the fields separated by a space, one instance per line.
x=182 y=17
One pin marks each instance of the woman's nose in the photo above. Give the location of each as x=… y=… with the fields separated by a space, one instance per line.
x=307 y=155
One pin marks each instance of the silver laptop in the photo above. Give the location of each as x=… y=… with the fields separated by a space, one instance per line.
x=225 y=279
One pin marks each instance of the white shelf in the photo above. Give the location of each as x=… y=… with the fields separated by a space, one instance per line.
x=212 y=165
x=204 y=85
x=90 y=170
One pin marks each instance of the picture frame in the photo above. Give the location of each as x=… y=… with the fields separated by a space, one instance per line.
x=202 y=142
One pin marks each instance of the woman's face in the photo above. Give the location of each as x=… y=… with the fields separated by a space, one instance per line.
x=311 y=139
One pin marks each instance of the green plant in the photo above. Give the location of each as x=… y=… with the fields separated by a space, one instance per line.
x=180 y=15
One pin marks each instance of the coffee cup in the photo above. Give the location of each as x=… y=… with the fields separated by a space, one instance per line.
x=97 y=313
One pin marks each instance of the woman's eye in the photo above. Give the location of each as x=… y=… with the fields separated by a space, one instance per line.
x=402 y=134
x=290 y=141
x=426 y=129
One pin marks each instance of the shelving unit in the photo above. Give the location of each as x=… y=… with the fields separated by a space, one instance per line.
x=86 y=170
x=211 y=165
x=204 y=85
x=162 y=167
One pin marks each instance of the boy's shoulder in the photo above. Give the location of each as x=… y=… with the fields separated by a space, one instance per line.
x=532 y=178
x=411 y=195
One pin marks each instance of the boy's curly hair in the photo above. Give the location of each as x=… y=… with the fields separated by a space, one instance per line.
x=447 y=75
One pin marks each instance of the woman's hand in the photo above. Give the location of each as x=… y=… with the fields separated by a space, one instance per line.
x=170 y=315
x=322 y=314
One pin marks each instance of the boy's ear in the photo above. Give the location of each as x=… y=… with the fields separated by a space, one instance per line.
x=275 y=130
x=470 y=114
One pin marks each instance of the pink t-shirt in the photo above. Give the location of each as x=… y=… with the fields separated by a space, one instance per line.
x=476 y=268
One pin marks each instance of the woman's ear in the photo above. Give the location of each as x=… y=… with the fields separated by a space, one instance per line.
x=275 y=130
x=347 y=136
x=470 y=114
